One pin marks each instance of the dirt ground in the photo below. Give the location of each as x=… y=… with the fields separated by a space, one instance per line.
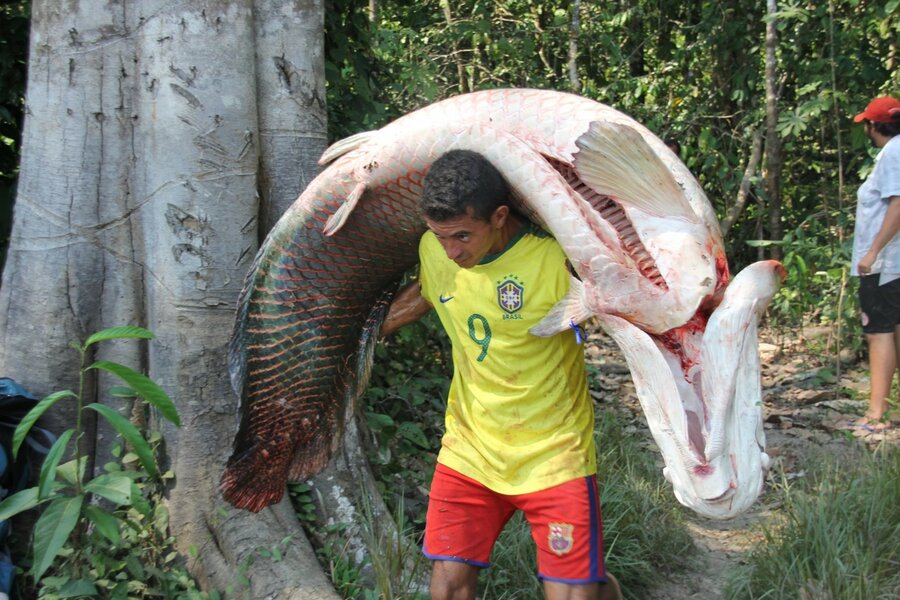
x=807 y=410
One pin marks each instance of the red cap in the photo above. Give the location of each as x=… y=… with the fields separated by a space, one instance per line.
x=884 y=109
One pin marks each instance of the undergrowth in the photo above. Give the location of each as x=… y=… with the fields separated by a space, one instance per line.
x=839 y=538
x=106 y=534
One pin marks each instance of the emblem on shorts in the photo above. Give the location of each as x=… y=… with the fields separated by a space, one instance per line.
x=510 y=294
x=560 y=538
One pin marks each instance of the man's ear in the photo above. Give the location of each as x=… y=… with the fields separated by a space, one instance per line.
x=499 y=216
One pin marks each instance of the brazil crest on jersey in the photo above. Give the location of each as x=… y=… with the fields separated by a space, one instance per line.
x=519 y=418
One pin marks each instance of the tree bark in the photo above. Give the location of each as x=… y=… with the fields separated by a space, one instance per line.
x=454 y=48
x=574 y=32
x=773 y=143
x=740 y=202
x=152 y=129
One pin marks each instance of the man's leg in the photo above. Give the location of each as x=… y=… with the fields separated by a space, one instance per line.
x=451 y=580
x=553 y=590
x=882 y=365
x=463 y=521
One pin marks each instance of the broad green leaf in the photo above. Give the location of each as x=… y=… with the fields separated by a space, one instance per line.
x=122 y=391
x=378 y=421
x=161 y=519
x=114 y=333
x=77 y=588
x=139 y=503
x=763 y=243
x=135 y=567
x=106 y=523
x=48 y=467
x=52 y=530
x=144 y=386
x=413 y=433
x=70 y=472
x=19 y=502
x=34 y=414
x=115 y=487
x=131 y=435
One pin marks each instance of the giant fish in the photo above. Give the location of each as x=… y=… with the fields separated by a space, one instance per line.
x=639 y=232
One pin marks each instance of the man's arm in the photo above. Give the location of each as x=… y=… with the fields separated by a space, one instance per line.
x=408 y=306
x=889 y=228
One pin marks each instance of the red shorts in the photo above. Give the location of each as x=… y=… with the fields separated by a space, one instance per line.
x=465 y=518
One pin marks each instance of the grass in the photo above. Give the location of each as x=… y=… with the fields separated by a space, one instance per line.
x=839 y=538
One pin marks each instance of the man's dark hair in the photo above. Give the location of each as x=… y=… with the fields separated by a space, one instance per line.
x=461 y=179
x=889 y=129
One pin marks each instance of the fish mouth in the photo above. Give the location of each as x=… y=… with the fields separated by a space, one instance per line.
x=724 y=496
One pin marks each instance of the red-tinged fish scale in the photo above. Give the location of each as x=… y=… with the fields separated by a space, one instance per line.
x=336 y=277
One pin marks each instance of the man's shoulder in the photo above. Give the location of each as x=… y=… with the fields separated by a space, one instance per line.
x=539 y=241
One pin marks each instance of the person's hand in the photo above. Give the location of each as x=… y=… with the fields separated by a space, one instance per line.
x=865 y=263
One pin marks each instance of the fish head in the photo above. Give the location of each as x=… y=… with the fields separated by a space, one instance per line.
x=700 y=391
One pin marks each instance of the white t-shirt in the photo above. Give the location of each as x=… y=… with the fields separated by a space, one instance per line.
x=871 y=207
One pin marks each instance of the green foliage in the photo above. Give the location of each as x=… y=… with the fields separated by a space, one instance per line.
x=818 y=289
x=840 y=537
x=13 y=54
x=689 y=71
x=103 y=536
x=404 y=405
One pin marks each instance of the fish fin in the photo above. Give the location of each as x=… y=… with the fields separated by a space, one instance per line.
x=615 y=160
x=257 y=477
x=569 y=311
x=368 y=340
x=348 y=144
x=656 y=390
x=340 y=216
x=312 y=459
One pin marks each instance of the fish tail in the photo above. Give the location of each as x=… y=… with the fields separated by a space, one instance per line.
x=256 y=478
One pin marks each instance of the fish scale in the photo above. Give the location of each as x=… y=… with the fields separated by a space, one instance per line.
x=633 y=221
x=299 y=320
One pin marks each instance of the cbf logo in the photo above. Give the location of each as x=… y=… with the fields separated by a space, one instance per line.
x=560 y=538
x=511 y=296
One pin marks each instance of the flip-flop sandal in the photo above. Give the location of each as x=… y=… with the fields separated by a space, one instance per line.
x=860 y=426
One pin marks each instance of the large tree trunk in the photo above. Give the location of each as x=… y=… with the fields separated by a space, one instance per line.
x=151 y=130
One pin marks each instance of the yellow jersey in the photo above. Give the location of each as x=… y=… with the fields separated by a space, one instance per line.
x=519 y=418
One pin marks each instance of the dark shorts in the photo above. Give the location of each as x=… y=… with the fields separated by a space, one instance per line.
x=879 y=304
x=465 y=518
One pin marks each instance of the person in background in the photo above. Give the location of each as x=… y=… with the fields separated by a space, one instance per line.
x=876 y=257
x=519 y=426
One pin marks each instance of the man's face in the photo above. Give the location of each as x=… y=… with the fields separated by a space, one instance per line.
x=467 y=239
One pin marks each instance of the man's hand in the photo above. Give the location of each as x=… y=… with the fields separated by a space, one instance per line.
x=408 y=306
x=865 y=263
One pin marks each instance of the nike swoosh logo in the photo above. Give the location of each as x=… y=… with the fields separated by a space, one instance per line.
x=445 y=300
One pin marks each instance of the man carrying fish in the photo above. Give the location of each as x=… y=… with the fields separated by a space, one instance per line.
x=519 y=422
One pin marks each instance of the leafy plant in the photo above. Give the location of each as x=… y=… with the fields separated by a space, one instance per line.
x=840 y=536
x=105 y=535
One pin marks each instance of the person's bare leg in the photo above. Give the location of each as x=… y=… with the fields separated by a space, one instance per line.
x=553 y=590
x=882 y=365
x=451 y=580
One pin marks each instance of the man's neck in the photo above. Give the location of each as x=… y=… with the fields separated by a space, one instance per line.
x=510 y=229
